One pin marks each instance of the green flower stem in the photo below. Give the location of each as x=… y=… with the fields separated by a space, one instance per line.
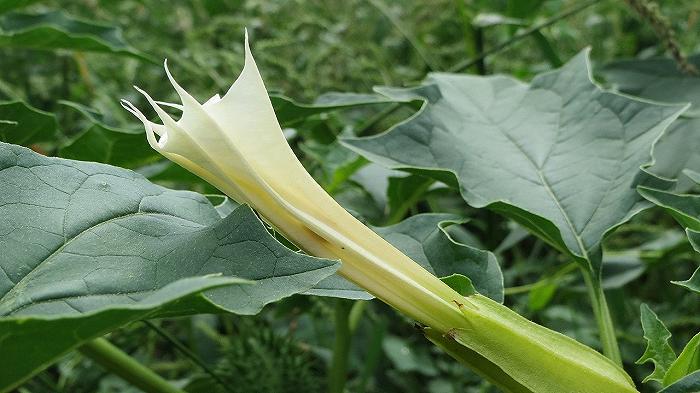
x=341 y=347
x=116 y=361
x=606 y=328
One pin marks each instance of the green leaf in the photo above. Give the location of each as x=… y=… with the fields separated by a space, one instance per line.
x=659 y=79
x=423 y=238
x=686 y=210
x=658 y=351
x=403 y=193
x=560 y=155
x=683 y=207
x=693 y=283
x=337 y=163
x=688 y=362
x=19 y=335
x=100 y=142
x=656 y=79
x=678 y=150
x=289 y=111
x=22 y=124
x=541 y=295
x=462 y=284
x=80 y=237
x=58 y=30
x=689 y=384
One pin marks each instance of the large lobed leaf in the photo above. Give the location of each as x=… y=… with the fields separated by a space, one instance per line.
x=559 y=155
x=79 y=238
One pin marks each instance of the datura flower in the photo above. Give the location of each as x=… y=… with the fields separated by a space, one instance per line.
x=236 y=143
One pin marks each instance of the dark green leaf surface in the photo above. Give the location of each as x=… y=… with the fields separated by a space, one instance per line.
x=678 y=150
x=559 y=155
x=58 y=30
x=686 y=210
x=658 y=349
x=693 y=283
x=290 y=112
x=657 y=79
x=462 y=284
x=31 y=343
x=21 y=124
x=100 y=142
x=689 y=384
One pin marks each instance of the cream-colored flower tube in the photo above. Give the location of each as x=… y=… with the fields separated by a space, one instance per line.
x=236 y=143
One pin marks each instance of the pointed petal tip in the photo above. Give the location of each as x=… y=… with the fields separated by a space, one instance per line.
x=248 y=53
x=132 y=109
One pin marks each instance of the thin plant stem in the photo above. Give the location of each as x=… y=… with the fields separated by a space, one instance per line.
x=413 y=40
x=188 y=353
x=121 y=364
x=565 y=270
x=606 y=327
x=522 y=34
x=341 y=347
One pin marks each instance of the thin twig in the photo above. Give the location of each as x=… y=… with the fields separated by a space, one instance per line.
x=188 y=353
x=417 y=45
x=522 y=34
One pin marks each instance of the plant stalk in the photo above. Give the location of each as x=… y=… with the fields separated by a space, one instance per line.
x=119 y=363
x=606 y=327
x=341 y=347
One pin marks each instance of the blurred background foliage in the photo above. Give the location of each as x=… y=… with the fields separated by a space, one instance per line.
x=65 y=65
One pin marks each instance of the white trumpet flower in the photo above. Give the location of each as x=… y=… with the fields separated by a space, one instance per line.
x=236 y=143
